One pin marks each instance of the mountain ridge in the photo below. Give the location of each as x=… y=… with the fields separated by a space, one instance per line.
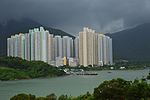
x=132 y=44
x=22 y=26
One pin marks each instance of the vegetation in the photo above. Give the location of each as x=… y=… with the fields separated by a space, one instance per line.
x=119 y=89
x=12 y=74
x=12 y=68
x=115 y=89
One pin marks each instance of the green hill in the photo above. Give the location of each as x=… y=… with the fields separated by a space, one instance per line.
x=12 y=68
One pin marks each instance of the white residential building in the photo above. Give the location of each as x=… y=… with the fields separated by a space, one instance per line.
x=88 y=48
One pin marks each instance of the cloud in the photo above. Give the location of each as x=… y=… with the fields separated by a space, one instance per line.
x=72 y=15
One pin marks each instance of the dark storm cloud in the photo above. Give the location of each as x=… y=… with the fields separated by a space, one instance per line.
x=72 y=15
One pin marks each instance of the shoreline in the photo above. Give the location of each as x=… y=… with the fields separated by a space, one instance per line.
x=47 y=77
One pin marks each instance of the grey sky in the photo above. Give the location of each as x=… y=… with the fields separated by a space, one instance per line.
x=72 y=15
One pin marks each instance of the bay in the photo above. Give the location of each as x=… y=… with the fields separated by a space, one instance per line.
x=73 y=85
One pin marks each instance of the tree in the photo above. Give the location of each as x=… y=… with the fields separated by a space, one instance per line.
x=63 y=97
x=23 y=97
x=111 y=90
x=51 y=97
x=138 y=90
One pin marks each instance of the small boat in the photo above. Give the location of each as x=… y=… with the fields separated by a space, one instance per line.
x=85 y=73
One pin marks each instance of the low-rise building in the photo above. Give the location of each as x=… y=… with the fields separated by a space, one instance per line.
x=59 y=61
x=73 y=62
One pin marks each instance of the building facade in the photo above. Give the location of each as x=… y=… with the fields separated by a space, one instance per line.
x=94 y=48
x=88 y=48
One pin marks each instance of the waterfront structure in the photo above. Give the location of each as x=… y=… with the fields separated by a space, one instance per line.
x=67 y=46
x=65 y=61
x=100 y=50
x=58 y=46
x=40 y=45
x=59 y=61
x=94 y=48
x=76 y=47
x=88 y=48
x=73 y=62
x=51 y=49
x=27 y=46
x=107 y=50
